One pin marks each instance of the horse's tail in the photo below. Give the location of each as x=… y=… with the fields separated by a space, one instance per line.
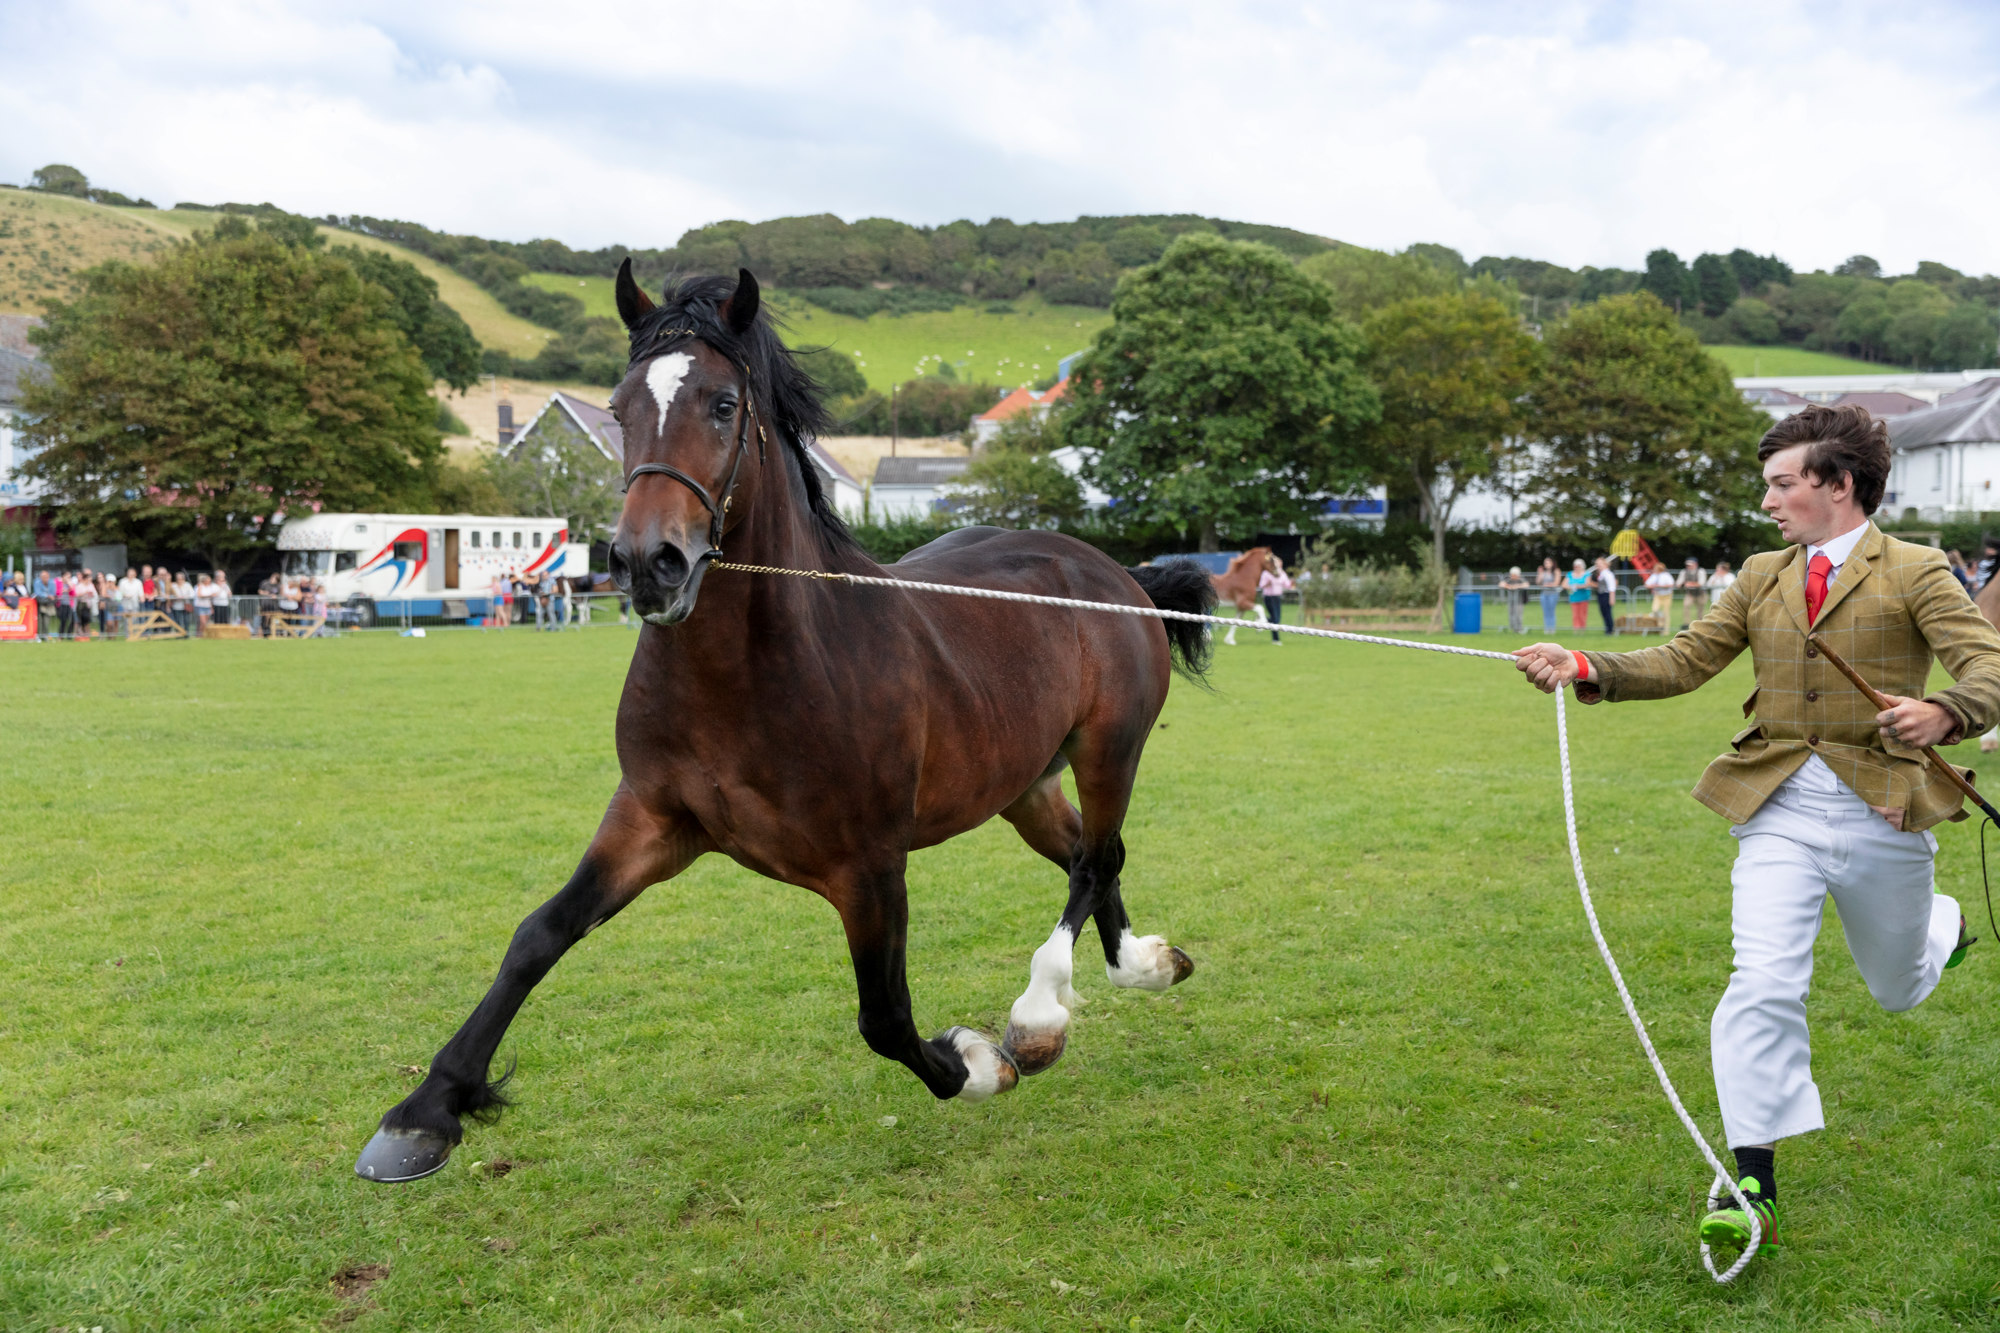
x=1181 y=585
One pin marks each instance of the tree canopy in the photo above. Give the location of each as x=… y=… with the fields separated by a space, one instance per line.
x=1226 y=396
x=191 y=400
x=1633 y=425
x=1449 y=368
x=441 y=337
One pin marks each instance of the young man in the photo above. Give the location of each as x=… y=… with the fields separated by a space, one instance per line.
x=1827 y=795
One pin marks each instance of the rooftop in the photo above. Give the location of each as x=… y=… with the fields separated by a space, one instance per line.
x=919 y=471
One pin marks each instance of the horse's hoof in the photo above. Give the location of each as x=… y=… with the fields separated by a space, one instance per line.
x=1148 y=963
x=989 y=1071
x=397 y=1155
x=1033 y=1051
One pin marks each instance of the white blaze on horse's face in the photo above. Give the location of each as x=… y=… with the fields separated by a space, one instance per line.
x=663 y=379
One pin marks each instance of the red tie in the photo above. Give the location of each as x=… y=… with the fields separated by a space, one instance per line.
x=1816 y=575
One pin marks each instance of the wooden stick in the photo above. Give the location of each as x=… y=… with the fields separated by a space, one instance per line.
x=1882 y=702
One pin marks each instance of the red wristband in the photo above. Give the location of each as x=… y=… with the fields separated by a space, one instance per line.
x=1582 y=667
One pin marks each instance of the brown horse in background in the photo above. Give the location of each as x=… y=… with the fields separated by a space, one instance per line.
x=1238 y=585
x=818 y=732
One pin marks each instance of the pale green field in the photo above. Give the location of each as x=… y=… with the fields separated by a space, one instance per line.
x=246 y=887
x=1010 y=350
x=1020 y=348
x=1791 y=361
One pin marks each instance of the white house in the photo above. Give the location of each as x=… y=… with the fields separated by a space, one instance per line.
x=1947 y=458
x=912 y=487
x=1018 y=403
x=15 y=371
x=602 y=429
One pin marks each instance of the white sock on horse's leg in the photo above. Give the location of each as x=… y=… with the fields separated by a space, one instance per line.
x=1147 y=962
x=1990 y=741
x=1038 y=1026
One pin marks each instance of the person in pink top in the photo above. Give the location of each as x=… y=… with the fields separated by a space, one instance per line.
x=1272 y=585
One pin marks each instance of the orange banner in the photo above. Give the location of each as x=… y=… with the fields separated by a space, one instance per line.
x=18 y=622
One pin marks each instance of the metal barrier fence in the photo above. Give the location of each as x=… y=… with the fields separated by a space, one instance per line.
x=270 y=618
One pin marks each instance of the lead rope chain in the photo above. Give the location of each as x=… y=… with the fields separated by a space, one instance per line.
x=1722 y=1178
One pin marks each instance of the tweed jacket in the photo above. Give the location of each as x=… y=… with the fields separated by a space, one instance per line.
x=1891 y=608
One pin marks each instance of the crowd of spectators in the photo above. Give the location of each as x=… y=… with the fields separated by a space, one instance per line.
x=82 y=605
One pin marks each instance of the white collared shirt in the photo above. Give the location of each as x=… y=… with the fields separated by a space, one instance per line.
x=1836 y=550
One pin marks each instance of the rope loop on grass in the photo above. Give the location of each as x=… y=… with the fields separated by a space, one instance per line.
x=1722 y=1178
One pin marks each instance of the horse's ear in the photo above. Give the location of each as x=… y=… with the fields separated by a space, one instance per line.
x=741 y=308
x=633 y=304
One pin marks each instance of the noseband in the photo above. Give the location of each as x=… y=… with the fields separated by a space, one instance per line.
x=717 y=509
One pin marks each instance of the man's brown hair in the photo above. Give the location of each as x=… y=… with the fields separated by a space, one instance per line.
x=1842 y=439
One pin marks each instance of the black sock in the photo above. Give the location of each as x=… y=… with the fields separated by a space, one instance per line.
x=1761 y=1163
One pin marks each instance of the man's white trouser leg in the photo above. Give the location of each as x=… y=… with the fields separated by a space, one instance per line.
x=1808 y=841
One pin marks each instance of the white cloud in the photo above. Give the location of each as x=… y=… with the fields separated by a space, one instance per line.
x=1579 y=133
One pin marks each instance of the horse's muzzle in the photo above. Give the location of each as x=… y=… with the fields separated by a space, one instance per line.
x=662 y=582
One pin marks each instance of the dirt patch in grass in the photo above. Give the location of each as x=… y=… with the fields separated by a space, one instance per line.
x=353 y=1285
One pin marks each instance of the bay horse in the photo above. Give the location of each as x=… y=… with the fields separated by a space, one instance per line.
x=817 y=733
x=1238 y=585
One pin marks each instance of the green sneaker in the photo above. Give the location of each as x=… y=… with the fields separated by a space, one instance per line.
x=1727 y=1227
x=1965 y=942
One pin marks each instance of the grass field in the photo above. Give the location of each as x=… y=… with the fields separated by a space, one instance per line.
x=1792 y=361
x=248 y=887
x=1010 y=349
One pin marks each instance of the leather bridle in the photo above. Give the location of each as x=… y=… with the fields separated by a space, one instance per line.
x=717 y=506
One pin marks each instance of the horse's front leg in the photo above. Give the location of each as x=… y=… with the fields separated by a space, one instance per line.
x=875 y=911
x=634 y=848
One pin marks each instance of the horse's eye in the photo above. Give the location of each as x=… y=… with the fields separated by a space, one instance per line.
x=725 y=408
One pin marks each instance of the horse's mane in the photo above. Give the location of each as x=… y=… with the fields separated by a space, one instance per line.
x=789 y=399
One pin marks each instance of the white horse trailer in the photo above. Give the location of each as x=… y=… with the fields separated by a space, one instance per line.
x=414 y=564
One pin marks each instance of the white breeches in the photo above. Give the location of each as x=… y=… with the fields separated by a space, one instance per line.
x=1812 y=838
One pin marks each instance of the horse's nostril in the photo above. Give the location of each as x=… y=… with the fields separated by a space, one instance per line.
x=670 y=567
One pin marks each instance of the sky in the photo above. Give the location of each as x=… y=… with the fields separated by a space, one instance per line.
x=1584 y=133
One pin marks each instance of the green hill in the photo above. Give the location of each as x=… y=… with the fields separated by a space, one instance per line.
x=1010 y=343
x=1792 y=361
x=47 y=240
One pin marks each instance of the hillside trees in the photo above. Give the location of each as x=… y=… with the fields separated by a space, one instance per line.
x=1225 y=396
x=1632 y=425
x=1449 y=368
x=1361 y=279
x=190 y=400
x=449 y=350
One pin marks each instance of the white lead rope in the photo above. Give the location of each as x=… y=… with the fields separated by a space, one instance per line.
x=1722 y=1177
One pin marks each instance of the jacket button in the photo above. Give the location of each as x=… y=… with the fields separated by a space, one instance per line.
x=1812 y=652
x=1812 y=740
x=1812 y=696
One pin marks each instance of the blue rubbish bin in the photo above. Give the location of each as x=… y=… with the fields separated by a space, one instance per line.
x=1465 y=613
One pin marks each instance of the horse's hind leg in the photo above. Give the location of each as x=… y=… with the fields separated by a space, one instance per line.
x=1038 y=1026
x=633 y=848
x=1147 y=962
